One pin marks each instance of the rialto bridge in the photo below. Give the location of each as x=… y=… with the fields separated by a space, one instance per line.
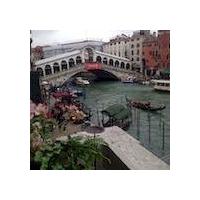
x=58 y=69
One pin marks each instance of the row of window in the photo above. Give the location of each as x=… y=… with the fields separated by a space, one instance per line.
x=137 y=59
x=138 y=45
x=116 y=43
x=48 y=69
x=126 y=54
x=138 y=52
x=132 y=46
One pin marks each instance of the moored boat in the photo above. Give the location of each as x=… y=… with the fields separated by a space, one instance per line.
x=129 y=79
x=145 y=105
x=81 y=81
x=161 y=85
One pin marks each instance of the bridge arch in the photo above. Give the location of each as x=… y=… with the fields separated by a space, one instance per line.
x=111 y=62
x=56 y=67
x=102 y=73
x=127 y=66
x=122 y=65
x=78 y=60
x=116 y=63
x=98 y=59
x=89 y=54
x=48 y=70
x=63 y=65
x=105 y=61
x=71 y=62
x=40 y=70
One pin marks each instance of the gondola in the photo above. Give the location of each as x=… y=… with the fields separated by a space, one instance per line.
x=145 y=105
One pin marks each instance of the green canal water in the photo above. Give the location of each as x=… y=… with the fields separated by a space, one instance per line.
x=151 y=129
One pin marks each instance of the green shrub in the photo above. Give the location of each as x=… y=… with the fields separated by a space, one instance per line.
x=76 y=153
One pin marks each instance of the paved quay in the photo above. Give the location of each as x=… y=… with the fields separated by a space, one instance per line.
x=129 y=150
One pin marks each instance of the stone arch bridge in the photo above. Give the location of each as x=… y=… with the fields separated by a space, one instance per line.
x=60 y=68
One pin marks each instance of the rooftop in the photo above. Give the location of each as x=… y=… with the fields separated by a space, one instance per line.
x=64 y=55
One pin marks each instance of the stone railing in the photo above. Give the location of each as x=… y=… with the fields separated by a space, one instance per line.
x=77 y=68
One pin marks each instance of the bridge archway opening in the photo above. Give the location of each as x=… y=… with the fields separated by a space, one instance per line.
x=86 y=75
x=63 y=65
x=98 y=59
x=78 y=60
x=111 y=62
x=103 y=75
x=56 y=67
x=89 y=55
x=95 y=75
x=71 y=62
x=48 y=70
x=122 y=65
x=40 y=70
x=116 y=63
x=127 y=66
x=105 y=61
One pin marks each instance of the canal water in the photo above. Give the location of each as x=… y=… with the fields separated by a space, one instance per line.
x=151 y=129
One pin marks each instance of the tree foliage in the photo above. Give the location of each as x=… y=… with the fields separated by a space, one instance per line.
x=74 y=154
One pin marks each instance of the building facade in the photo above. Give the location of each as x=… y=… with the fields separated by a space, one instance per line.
x=164 y=48
x=150 y=55
x=156 y=52
x=37 y=53
x=128 y=46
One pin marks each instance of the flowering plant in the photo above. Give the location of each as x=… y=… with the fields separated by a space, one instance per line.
x=40 y=109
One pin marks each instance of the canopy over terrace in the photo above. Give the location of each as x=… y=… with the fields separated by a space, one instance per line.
x=117 y=111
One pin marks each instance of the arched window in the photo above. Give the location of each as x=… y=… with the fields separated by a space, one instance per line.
x=56 y=68
x=105 y=61
x=40 y=70
x=127 y=66
x=98 y=59
x=63 y=65
x=78 y=60
x=116 y=63
x=71 y=62
x=88 y=54
x=48 y=70
x=111 y=62
x=122 y=64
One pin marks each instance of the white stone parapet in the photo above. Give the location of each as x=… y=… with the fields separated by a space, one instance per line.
x=129 y=150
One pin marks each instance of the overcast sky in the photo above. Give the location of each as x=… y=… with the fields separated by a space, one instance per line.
x=47 y=37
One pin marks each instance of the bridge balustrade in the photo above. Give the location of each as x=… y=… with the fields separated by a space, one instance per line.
x=62 y=73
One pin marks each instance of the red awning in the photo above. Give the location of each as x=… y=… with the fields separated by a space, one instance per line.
x=93 y=66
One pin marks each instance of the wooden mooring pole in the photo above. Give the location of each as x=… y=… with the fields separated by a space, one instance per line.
x=163 y=137
x=149 y=121
x=138 y=124
x=98 y=119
